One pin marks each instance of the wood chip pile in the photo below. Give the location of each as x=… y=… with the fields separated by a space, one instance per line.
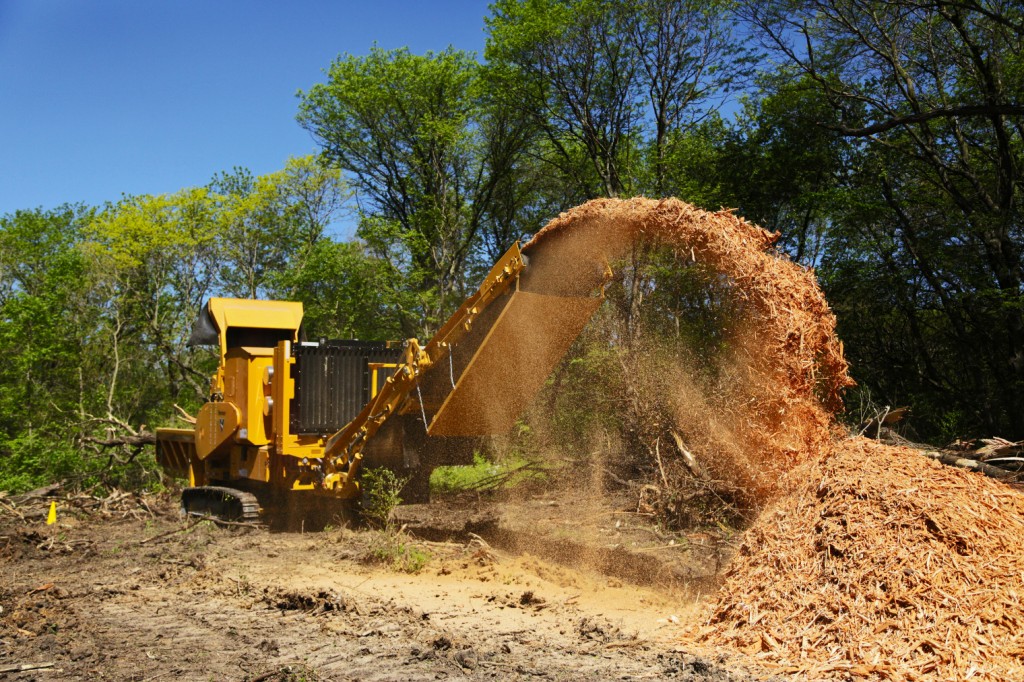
x=883 y=565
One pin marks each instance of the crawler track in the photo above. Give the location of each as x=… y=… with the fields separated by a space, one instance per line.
x=224 y=503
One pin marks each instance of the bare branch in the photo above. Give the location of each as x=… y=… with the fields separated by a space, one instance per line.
x=945 y=112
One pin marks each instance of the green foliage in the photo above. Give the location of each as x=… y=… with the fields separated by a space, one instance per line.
x=567 y=62
x=389 y=545
x=611 y=86
x=406 y=128
x=43 y=342
x=269 y=225
x=582 y=395
x=32 y=460
x=505 y=473
x=381 y=488
x=916 y=220
x=346 y=293
x=395 y=550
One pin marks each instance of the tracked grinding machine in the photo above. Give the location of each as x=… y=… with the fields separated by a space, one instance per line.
x=289 y=424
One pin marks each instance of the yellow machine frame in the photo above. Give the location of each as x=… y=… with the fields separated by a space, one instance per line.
x=243 y=433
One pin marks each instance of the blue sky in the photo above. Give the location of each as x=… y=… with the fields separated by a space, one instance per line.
x=100 y=98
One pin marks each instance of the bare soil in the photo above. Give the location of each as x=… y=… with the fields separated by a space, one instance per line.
x=134 y=595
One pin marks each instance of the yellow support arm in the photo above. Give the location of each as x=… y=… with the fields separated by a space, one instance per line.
x=343 y=450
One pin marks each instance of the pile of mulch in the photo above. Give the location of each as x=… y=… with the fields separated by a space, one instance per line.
x=883 y=565
x=786 y=374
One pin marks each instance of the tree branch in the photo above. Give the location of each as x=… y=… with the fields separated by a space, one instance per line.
x=921 y=117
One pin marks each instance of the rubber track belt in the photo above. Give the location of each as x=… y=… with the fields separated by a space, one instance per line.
x=224 y=503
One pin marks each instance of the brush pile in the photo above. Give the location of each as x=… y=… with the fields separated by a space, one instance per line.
x=883 y=565
x=33 y=506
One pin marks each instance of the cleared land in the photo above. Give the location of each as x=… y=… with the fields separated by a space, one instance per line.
x=129 y=595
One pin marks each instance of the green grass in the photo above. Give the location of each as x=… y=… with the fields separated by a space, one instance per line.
x=483 y=474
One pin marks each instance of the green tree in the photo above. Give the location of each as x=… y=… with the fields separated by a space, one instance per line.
x=255 y=234
x=96 y=307
x=570 y=66
x=155 y=260
x=616 y=91
x=42 y=324
x=346 y=293
x=929 y=98
x=778 y=166
x=271 y=223
x=407 y=131
x=611 y=85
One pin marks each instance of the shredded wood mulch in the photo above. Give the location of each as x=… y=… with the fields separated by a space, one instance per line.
x=883 y=565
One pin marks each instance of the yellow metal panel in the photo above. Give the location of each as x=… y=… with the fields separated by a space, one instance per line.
x=377 y=377
x=256 y=351
x=257 y=425
x=241 y=312
x=259 y=468
x=215 y=426
x=244 y=387
x=253 y=314
x=282 y=392
x=175 y=449
x=508 y=369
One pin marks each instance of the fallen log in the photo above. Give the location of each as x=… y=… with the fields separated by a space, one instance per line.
x=45 y=491
x=973 y=465
x=131 y=440
x=996 y=447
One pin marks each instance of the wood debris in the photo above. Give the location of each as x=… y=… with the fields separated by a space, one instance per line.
x=998 y=448
x=25 y=667
x=883 y=565
x=33 y=506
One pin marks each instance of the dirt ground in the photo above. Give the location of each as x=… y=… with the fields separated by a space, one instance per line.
x=509 y=591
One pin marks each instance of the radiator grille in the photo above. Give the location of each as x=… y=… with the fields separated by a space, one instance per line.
x=332 y=382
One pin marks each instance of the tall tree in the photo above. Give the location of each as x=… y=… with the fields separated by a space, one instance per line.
x=691 y=62
x=613 y=87
x=610 y=83
x=931 y=97
x=407 y=130
x=256 y=233
x=156 y=259
x=46 y=325
x=42 y=274
x=571 y=66
x=346 y=293
x=780 y=167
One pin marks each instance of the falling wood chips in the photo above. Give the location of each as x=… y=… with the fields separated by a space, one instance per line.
x=788 y=369
x=882 y=565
